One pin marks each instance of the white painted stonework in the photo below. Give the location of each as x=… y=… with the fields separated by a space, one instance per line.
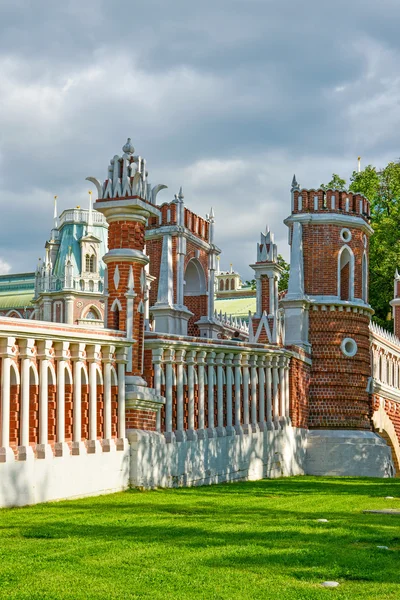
x=343 y=452
x=58 y=477
x=247 y=456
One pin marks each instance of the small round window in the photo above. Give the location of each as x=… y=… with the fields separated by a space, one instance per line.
x=345 y=234
x=349 y=347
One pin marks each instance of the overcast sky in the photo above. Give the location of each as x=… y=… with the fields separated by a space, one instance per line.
x=227 y=98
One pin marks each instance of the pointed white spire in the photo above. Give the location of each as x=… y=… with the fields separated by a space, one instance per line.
x=295 y=185
x=55 y=217
x=89 y=228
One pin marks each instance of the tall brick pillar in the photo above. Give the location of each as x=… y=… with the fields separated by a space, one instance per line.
x=127 y=200
x=329 y=233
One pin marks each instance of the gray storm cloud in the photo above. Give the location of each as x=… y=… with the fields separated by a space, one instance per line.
x=225 y=98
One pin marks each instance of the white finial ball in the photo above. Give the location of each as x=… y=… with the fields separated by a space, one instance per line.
x=128 y=148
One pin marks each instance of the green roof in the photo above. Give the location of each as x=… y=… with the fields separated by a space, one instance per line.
x=21 y=300
x=237 y=307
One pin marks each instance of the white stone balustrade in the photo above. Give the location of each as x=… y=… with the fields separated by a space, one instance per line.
x=39 y=365
x=385 y=359
x=215 y=390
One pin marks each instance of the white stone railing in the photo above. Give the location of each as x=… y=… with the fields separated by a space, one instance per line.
x=385 y=359
x=82 y=216
x=232 y=323
x=50 y=375
x=217 y=389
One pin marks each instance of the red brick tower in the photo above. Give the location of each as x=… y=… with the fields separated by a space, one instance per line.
x=127 y=201
x=329 y=233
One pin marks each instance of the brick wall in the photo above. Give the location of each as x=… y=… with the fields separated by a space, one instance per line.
x=198 y=306
x=338 y=396
x=321 y=246
x=299 y=384
x=392 y=409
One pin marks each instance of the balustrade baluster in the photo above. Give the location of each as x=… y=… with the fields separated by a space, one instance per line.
x=201 y=382
x=246 y=382
x=254 y=383
x=229 y=429
x=269 y=392
x=261 y=393
x=190 y=359
x=210 y=396
x=179 y=362
x=169 y=356
x=220 y=393
x=238 y=380
x=157 y=360
x=275 y=390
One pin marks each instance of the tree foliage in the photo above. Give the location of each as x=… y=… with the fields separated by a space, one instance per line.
x=336 y=183
x=382 y=188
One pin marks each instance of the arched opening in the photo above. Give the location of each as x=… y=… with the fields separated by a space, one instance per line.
x=364 y=278
x=15 y=406
x=195 y=280
x=68 y=404
x=33 y=405
x=90 y=263
x=195 y=293
x=92 y=314
x=346 y=274
x=227 y=284
x=385 y=428
x=221 y=285
x=100 y=404
x=232 y=284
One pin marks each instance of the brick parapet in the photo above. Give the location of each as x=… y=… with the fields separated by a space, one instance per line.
x=331 y=201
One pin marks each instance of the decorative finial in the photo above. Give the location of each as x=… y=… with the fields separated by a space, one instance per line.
x=180 y=195
x=55 y=212
x=128 y=148
x=295 y=185
x=359 y=163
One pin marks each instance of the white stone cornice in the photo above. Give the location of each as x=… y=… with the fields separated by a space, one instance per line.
x=174 y=230
x=343 y=220
x=126 y=255
x=385 y=390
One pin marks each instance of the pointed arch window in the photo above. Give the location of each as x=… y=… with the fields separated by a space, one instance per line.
x=90 y=263
x=346 y=274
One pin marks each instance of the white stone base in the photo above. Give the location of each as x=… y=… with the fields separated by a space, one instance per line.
x=58 y=477
x=251 y=456
x=344 y=452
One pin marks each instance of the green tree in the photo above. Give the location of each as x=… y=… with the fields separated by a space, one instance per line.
x=382 y=188
x=336 y=183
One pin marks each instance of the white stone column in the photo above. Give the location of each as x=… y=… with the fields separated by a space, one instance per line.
x=157 y=360
x=268 y=384
x=229 y=429
x=246 y=382
x=180 y=434
x=237 y=361
x=190 y=360
x=26 y=350
x=77 y=356
x=282 y=392
x=121 y=362
x=24 y=422
x=107 y=352
x=61 y=447
x=261 y=393
x=201 y=383
x=43 y=448
x=69 y=310
x=220 y=393
x=271 y=308
x=180 y=273
x=210 y=395
x=259 y=310
x=7 y=352
x=169 y=356
x=93 y=355
x=287 y=391
x=275 y=390
x=253 y=395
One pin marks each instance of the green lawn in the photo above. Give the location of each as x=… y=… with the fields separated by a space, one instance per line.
x=243 y=540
